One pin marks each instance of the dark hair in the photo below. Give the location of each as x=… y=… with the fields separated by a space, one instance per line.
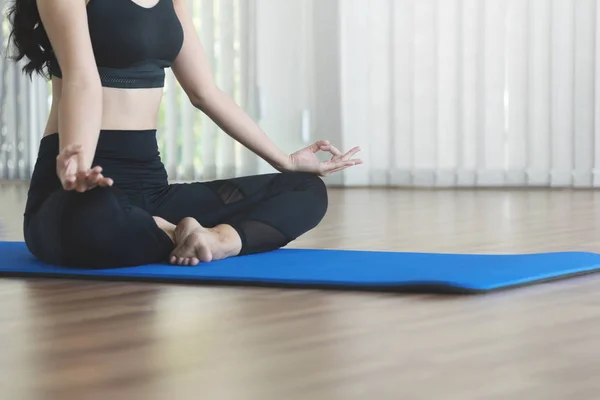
x=29 y=37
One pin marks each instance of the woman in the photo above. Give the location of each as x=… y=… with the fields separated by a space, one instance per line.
x=99 y=196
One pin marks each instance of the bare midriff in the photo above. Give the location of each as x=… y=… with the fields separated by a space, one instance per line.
x=122 y=109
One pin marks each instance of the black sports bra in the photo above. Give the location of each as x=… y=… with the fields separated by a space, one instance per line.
x=132 y=44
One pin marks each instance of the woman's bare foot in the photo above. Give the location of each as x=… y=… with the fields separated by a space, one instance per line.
x=166 y=226
x=195 y=243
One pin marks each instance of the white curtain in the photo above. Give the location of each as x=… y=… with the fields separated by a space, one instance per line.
x=472 y=92
x=23 y=106
x=192 y=147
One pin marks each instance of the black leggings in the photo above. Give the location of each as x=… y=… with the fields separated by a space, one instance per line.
x=113 y=227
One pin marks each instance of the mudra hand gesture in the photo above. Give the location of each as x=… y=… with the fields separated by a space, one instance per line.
x=306 y=160
x=72 y=174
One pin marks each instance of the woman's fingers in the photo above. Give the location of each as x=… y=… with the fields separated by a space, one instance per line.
x=315 y=147
x=108 y=181
x=331 y=149
x=351 y=153
x=82 y=180
x=87 y=180
x=337 y=170
x=66 y=166
x=336 y=166
x=81 y=185
x=94 y=176
x=104 y=182
x=336 y=153
x=69 y=183
x=99 y=180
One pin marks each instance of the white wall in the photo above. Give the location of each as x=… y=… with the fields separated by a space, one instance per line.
x=298 y=70
x=327 y=104
x=283 y=70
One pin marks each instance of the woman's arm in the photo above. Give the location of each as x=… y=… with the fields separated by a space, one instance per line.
x=80 y=107
x=193 y=72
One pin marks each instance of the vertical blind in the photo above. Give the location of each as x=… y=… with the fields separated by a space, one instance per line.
x=192 y=146
x=472 y=92
x=437 y=92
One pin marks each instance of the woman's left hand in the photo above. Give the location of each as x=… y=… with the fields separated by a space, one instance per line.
x=306 y=160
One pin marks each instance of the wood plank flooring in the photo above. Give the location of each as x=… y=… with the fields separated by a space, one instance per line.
x=89 y=340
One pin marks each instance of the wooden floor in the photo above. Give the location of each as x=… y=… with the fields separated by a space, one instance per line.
x=75 y=340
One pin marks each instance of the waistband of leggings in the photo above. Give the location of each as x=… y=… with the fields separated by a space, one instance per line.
x=138 y=145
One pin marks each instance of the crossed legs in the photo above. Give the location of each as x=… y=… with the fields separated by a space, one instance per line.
x=219 y=219
x=184 y=224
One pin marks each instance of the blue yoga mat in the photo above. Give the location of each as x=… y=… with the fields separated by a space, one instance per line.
x=337 y=269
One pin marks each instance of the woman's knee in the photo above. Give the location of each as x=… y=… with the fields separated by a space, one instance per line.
x=318 y=190
x=314 y=184
x=313 y=189
x=91 y=227
x=81 y=211
x=73 y=228
x=104 y=231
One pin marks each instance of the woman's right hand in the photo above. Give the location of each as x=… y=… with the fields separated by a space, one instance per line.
x=72 y=174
